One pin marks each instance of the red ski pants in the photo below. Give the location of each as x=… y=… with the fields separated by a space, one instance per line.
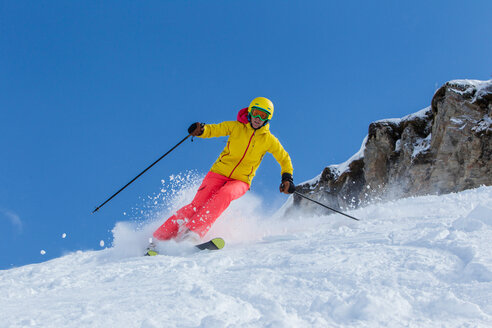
x=212 y=198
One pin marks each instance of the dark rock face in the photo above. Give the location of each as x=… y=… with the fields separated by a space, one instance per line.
x=444 y=148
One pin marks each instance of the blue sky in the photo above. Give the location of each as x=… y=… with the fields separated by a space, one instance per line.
x=92 y=92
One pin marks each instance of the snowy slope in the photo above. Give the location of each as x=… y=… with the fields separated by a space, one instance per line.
x=417 y=262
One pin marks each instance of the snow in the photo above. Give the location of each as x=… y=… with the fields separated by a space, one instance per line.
x=341 y=168
x=415 y=262
x=312 y=181
x=477 y=84
x=398 y=145
x=421 y=145
x=484 y=125
x=482 y=87
x=419 y=114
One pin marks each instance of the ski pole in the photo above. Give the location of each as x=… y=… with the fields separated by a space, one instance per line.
x=334 y=210
x=116 y=193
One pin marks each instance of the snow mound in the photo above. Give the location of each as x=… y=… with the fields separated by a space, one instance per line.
x=475 y=220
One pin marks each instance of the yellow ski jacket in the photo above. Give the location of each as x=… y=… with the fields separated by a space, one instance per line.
x=245 y=149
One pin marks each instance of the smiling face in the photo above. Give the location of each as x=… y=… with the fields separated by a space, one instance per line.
x=256 y=122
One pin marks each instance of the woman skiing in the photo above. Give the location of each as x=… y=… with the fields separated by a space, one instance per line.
x=231 y=174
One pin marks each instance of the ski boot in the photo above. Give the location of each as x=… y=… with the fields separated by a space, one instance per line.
x=151 y=249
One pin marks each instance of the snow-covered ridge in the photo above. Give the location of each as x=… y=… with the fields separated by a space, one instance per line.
x=480 y=88
x=416 y=262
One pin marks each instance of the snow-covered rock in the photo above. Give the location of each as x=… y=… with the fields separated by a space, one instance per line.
x=446 y=147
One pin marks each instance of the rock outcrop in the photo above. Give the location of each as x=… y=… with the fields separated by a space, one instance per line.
x=444 y=148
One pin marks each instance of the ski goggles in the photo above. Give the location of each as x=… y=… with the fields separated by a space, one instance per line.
x=260 y=113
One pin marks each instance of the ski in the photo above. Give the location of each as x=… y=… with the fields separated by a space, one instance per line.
x=151 y=251
x=213 y=244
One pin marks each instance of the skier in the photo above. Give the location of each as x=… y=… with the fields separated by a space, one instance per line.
x=231 y=174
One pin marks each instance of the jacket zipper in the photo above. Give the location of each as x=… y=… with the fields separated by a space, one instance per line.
x=243 y=154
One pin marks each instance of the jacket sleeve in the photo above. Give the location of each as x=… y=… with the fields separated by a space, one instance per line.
x=281 y=156
x=218 y=130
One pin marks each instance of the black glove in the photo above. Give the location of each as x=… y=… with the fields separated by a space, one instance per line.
x=287 y=186
x=196 y=129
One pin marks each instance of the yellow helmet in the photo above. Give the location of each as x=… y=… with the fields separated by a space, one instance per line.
x=262 y=104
